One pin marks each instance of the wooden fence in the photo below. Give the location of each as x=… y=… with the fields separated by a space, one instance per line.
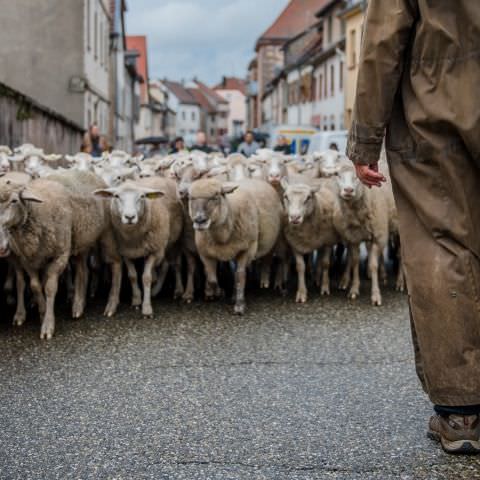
x=22 y=120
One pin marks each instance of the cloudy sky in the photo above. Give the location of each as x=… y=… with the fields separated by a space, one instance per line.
x=203 y=38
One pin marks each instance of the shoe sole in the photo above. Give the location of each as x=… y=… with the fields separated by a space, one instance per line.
x=462 y=447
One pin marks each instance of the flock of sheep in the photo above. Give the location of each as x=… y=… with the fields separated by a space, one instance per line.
x=71 y=218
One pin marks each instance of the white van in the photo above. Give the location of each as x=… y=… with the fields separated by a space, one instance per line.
x=327 y=139
x=298 y=137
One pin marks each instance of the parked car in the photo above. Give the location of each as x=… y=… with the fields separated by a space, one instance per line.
x=327 y=139
x=299 y=137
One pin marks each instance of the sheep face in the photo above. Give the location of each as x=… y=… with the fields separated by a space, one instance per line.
x=299 y=202
x=81 y=161
x=349 y=185
x=13 y=211
x=129 y=202
x=4 y=162
x=209 y=206
x=33 y=164
x=113 y=177
x=329 y=162
x=185 y=177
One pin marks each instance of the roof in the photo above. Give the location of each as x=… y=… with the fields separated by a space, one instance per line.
x=202 y=100
x=183 y=94
x=139 y=43
x=297 y=16
x=210 y=93
x=232 y=83
x=328 y=5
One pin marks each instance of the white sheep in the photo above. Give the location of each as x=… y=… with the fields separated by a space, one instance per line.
x=233 y=222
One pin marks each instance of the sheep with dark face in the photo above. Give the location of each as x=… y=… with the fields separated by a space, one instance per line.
x=233 y=222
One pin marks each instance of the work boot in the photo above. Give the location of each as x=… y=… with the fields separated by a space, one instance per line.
x=456 y=433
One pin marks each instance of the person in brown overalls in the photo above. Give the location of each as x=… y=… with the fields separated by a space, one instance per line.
x=419 y=88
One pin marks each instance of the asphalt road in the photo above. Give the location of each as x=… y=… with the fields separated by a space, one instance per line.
x=325 y=390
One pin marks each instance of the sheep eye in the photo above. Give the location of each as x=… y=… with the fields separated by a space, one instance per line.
x=116 y=196
x=14 y=200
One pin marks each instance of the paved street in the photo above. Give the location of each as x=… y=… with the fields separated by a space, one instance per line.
x=322 y=391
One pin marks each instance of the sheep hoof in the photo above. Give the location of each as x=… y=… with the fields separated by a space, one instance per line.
x=178 y=294
x=353 y=295
x=187 y=298
x=301 y=298
x=325 y=291
x=376 y=300
x=265 y=285
x=147 y=312
x=239 y=309
x=46 y=333
x=19 y=319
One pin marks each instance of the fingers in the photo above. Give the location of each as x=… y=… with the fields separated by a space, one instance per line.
x=369 y=175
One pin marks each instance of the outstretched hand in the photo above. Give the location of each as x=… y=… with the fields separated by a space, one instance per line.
x=369 y=175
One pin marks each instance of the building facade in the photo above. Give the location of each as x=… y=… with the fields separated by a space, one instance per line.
x=62 y=61
x=233 y=90
x=353 y=15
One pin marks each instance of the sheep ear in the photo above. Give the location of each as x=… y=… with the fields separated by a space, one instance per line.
x=28 y=196
x=104 y=193
x=229 y=188
x=284 y=183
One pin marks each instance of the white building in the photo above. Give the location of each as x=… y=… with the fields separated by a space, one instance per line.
x=188 y=119
x=233 y=90
x=97 y=63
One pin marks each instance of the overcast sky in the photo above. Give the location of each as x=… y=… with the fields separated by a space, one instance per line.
x=203 y=38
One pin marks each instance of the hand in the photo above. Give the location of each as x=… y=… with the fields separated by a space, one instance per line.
x=369 y=175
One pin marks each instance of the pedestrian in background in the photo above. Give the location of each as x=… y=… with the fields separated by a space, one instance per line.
x=249 y=146
x=178 y=145
x=94 y=143
x=201 y=143
x=283 y=145
x=417 y=58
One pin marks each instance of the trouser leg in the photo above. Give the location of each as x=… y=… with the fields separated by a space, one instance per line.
x=439 y=212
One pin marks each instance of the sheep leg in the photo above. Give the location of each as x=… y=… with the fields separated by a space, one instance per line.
x=132 y=275
x=160 y=280
x=382 y=271
x=8 y=285
x=212 y=290
x=191 y=267
x=178 y=276
x=240 y=280
x=302 y=287
x=265 y=272
x=373 y=268
x=354 y=258
x=21 y=313
x=400 y=283
x=325 y=264
x=150 y=262
x=36 y=286
x=114 y=296
x=54 y=270
x=347 y=273
x=81 y=285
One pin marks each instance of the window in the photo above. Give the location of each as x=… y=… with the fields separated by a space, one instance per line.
x=95 y=36
x=193 y=116
x=325 y=83
x=320 y=86
x=353 y=49
x=184 y=115
x=340 y=83
x=106 y=46
x=330 y=28
x=332 y=122
x=332 y=80
x=88 y=25
x=101 y=44
x=313 y=90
